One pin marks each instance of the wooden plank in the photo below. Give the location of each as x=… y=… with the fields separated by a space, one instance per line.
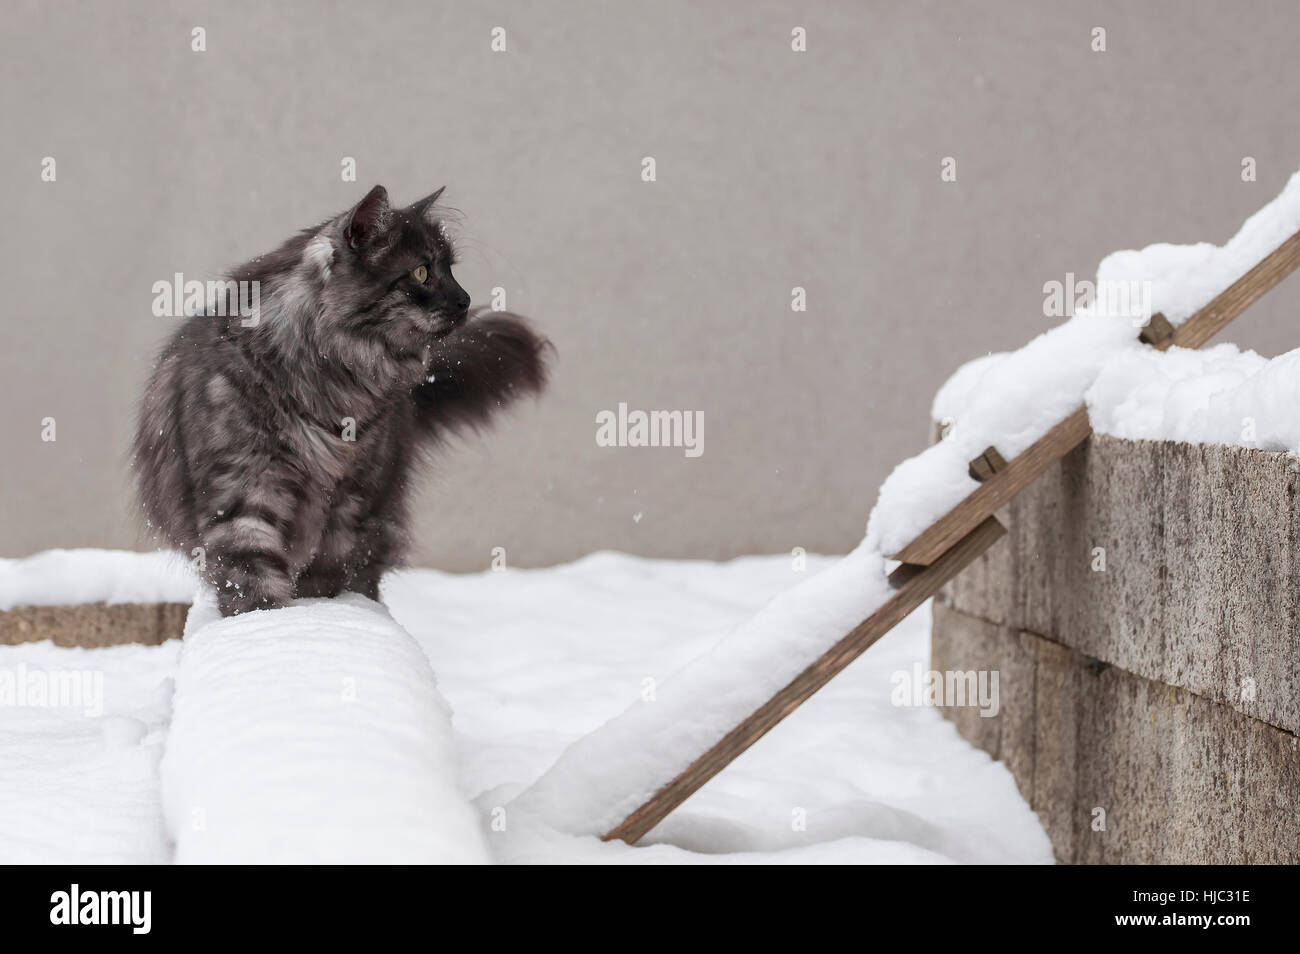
x=979 y=469
x=986 y=464
x=1074 y=430
x=997 y=490
x=1240 y=295
x=1157 y=331
x=921 y=584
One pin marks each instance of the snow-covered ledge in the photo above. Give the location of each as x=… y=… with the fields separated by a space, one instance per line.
x=314 y=733
x=1142 y=617
x=92 y=598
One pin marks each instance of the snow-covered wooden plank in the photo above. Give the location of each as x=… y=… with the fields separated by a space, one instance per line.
x=986 y=464
x=1240 y=295
x=311 y=734
x=915 y=588
x=998 y=489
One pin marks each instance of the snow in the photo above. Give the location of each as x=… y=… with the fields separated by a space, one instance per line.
x=1214 y=395
x=63 y=577
x=1220 y=395
x=602 y=777
x=534 y=661
x=1010 y=400
x=530 y=661
x=311 y=734
x=79 y=787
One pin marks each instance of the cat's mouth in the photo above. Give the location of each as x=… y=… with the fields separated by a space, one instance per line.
x=446 y=325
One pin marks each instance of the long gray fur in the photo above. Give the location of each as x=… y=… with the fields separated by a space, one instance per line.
x=242 y=450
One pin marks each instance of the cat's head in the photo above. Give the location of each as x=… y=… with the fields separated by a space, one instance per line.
x=387 y=272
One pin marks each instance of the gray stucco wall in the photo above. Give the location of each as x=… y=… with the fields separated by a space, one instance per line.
x=1142 y=614
x=775 y=169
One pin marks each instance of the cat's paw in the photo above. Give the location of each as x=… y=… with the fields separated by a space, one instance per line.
x=247 y=587
x=233 y=602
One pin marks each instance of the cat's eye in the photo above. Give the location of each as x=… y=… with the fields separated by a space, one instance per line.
x=420 y=274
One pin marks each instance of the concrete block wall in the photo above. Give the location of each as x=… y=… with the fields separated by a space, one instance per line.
x=1142 y=614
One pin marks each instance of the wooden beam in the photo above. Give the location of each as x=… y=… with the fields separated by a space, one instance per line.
x=1019 y=473
x=1240 y=295
x=1074 y=430
x=986 y=464
x=1157 y=332
x=921 y=584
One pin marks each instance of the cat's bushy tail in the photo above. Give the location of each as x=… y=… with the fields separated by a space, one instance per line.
x=158 y=456
x=481 y=367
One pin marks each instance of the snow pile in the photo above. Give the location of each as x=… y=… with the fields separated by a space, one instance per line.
x=532 y=660
x=314 y=733
x=1221 y=395
x=63 y=577
x=1217 y=395
x=602 y=777
x=80 y=737
x=1011 y=400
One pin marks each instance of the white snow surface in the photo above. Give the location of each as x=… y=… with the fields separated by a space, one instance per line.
x=62 y=577
x=1219 y=395
x=531 y=661
x=311 y=734
x=79 y=787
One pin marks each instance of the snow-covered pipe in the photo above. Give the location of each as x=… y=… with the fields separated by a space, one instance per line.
x=314 y=733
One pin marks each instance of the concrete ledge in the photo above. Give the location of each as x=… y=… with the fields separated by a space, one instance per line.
x=93 y=625
x=1179 y=778
x=1201 y=575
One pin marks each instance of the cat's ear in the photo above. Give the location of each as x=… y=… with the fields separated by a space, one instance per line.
x=368 y=219
x=423 y=208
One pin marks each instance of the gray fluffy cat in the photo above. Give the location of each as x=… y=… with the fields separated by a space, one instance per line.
x=243 y=447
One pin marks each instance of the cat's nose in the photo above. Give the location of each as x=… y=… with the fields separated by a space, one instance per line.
x=454 y=311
